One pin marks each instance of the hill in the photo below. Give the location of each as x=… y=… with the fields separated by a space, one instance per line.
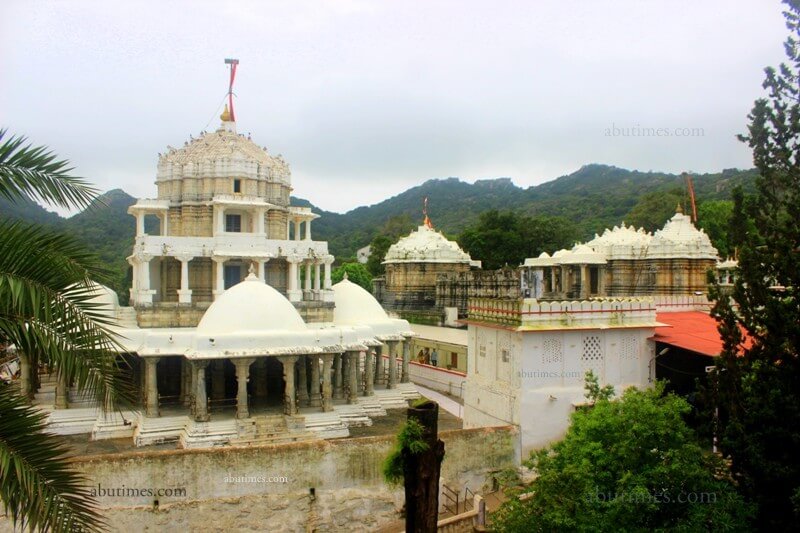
x=594 y=197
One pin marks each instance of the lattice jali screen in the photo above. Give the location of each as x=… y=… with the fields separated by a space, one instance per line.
x=592 y=356
x=628 y=350
x=552 y=351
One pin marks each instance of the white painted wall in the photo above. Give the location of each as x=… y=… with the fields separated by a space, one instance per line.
x=538 y=387
x=439 y=379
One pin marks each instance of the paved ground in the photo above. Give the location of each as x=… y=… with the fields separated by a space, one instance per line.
x=390 y=424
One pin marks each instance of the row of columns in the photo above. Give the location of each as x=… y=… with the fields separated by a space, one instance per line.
x=332 y=376
x=319 y=380
x=294 y=290
x=297 y=222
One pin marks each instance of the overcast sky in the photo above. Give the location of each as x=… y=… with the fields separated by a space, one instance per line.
x=366 y=99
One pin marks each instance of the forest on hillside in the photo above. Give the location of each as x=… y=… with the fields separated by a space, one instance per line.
x=553 y=214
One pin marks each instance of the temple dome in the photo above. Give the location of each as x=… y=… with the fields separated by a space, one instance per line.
x=621 y=242
x=251 y=305
x=680 y=238
x=426 y=245
x=354 y=305
x=222 y=154
x=105 y=298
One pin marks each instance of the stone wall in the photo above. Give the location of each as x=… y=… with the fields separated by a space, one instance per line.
x=454 y=289
x=332 y=485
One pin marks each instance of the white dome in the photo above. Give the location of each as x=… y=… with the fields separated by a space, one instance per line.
x=581 y=254
x=426 y=245
x=355 y=305
x=251 y=305
x=106 y=300
x=679 y=238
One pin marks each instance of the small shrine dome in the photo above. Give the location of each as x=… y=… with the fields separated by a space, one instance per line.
x=253 y=306
x=105 y=299
x=680 y=238
x=354 y=305
x=426 y=245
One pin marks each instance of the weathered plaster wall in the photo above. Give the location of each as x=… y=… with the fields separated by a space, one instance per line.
x=349 y=492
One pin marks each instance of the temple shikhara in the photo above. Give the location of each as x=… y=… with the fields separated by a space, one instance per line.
x=236 y=334
x=223 y=205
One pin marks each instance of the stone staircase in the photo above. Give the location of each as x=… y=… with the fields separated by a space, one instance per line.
x=159 y=430
x=326 y=425
x=270 y=429
x=208 y=434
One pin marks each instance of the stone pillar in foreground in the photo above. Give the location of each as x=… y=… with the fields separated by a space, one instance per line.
x=421 y=472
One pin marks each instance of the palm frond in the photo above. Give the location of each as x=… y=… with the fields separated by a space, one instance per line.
x=46 y=308
x=38 y=487
x=35 y=173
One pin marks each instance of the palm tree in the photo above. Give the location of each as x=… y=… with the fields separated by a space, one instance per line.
x=46 y=289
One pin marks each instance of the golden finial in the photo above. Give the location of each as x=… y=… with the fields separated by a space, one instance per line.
x=226 y=115
x=679 y=209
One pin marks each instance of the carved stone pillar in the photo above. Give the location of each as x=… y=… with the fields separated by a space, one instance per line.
x=200 y=398
x=184 y=294
x=392 y=349
x=189 y=382
x=25 y=380
x=302 y=380
x=292 y=292
x=62 y=391
x=242 y=375
x=369 y=373
x=352 y=376
x=151 y=386
x=314 y=397
x=379 y=372
x=289 y=402
x=327 y=398
x=404 y=376
x=338 y=386
x=219 y=278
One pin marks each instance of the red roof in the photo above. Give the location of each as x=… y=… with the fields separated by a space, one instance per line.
x=691 y=330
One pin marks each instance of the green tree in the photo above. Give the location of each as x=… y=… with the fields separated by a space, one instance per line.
x=45 y=311
x=756 y=386
x=391 y=231
x=653 y=209
x=356 y=272
x=714 y=217
x=504 y=238
x=377 y=251
x=630 y=464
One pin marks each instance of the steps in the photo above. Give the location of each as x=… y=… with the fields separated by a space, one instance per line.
x=159 y=430
x=208 y=434
x=271 y=429
x=326 y=425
